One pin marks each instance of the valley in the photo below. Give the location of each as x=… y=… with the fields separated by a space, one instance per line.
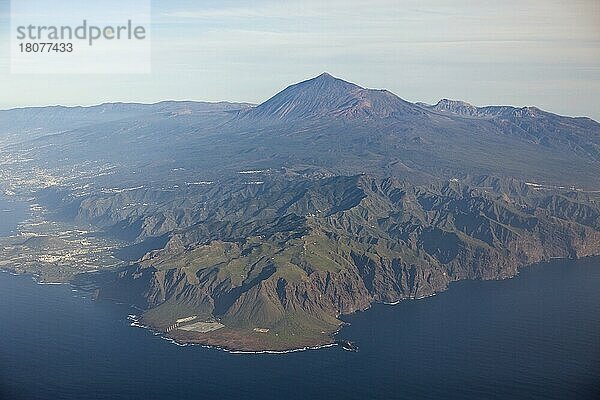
x=269 y=223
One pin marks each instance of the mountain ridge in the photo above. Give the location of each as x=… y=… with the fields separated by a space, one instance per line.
x=323 y=83
x=326 y=96
x=271 y=222
x=339 y=244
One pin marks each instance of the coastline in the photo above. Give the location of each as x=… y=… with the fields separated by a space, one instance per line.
x=34 y=278
x=135 y=322
x=333 y=342
x=385 y=337
x=212 y=341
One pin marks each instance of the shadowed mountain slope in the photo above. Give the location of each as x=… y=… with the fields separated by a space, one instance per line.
x=275 y=220
x=328 y=97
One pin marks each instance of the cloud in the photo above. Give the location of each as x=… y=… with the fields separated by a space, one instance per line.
x=265 y=11
x=485 y=51
x=401 y=21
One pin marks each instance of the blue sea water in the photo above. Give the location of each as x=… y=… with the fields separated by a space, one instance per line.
x=11 y=214
x=533 y=337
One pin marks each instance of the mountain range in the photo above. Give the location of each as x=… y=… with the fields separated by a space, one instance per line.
x=272 y=221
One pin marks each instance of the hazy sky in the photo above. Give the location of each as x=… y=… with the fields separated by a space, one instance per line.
x=526 y=52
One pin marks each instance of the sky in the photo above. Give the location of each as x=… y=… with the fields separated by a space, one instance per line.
x=544 y=53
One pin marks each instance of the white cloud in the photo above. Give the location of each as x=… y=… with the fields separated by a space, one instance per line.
x=486 y=51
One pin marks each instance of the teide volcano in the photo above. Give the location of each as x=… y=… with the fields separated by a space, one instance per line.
x=322 y=126
x=262 y=226
x=327 y=96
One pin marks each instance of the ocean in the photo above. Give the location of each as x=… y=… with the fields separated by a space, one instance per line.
x=536 y=336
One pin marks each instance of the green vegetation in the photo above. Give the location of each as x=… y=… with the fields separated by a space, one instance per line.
x=275 y=220
x=295 y=275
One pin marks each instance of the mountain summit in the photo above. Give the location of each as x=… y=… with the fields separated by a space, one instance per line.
x=327 y=96
x=256 y=228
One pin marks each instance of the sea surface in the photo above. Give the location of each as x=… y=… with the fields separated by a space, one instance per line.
x=12 y=212
x=533 y=337
x=536 y=336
